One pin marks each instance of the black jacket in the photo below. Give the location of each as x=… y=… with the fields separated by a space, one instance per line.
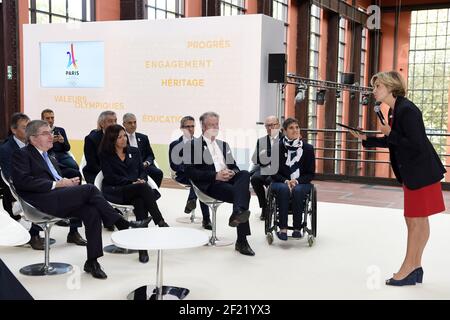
x=145 y=148
x=6 y=151
x=58 y=147
x=91 y=147
x=413 y=159
x=118 y=173
x=263 y=151
x=176 y=159
x=307 y=164
x=199 y=164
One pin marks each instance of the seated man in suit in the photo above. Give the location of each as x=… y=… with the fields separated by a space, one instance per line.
x=211 y=167
x=187 y=126
x=61 y=145
x=15 y=142
x=140 y=141
x=92 y=143
x=37 y=181
x=261 y=159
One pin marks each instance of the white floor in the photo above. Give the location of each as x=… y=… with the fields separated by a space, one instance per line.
x=357 y=248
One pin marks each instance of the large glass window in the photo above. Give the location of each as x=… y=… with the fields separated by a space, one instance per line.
x=362 y=79
x=60 y=11
x=313 y=69
x=232 y=7
x=280 y=12
x=340 y=95
x=165 y=9
x=429 y=69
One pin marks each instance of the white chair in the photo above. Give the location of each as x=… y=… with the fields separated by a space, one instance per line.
x=83 y=163
x=192 y=219
x=12 y=233
x=213 y=204
x=125 y=210
x=46 y=222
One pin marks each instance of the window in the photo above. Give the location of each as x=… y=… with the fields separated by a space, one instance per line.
x=313 y=69
x=362 y=79
x=165 y=9
x=429 y=69
x=280 y=12
x=232 y=7
x=61 y=11
x=340 y=95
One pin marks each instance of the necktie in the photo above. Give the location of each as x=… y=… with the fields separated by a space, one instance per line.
x=51 y=167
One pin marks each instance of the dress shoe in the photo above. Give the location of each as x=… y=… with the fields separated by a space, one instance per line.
x=63 y=223
x=163 y=224
x=244 y=248
x=297 y=234
x=409 y=280
x=111 y=228
x=75 y=237
x=143 y=256
x=419 y=272
x=37 y=243
x=282 y=235
x=238 y=217
x=141 y=223
x=206 y=224
x=190 y=205
x=93 y=267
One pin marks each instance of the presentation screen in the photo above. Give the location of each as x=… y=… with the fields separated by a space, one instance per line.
x=78 y=64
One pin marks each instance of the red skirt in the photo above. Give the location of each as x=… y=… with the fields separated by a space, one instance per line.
x=423 y=202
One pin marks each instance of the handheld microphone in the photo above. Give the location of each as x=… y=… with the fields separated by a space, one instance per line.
x=377 y=110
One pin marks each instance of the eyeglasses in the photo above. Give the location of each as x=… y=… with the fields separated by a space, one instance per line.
x=271 y=125
x=188 y=127
x=45 y=133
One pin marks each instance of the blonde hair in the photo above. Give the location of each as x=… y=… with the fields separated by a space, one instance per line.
x=393 y=81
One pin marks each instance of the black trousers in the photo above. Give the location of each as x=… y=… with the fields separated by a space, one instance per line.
x=258 y=182
x=142 y=197
x=154 y=173
x=10 y=287
x=236 y=192
x=87 y=203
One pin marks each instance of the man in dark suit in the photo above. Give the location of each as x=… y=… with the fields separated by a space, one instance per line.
x=92 y=142
x=15 y=142
x=211 y=167
x=187 y=126
x=61 y=146
x=37 y=180
x=140 y=141
x=261 y=160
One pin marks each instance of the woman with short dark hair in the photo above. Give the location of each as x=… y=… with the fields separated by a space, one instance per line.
x=125 y=181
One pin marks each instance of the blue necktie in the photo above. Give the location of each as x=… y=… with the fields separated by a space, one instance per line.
x=51 y=167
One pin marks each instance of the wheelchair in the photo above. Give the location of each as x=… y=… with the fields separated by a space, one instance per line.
x=309 y=221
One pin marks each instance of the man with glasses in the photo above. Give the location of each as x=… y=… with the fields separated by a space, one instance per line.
x=17 y=141
x=187 y=126
x=141 y=141
x=261 y=160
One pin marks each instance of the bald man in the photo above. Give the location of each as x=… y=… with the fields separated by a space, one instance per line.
x=261 y=160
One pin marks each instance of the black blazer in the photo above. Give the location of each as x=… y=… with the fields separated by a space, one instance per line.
x=307 y=164
x=32 y=178
x=176 y=147
x=413 y=159
x=6 y=151
x=58 y=147
x=145 y=148
x=118 y=173
x=91 y=145
x=263 y=144
x=199 y=164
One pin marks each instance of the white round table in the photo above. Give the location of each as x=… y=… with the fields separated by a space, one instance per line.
x=159 y=239
x=12 y=233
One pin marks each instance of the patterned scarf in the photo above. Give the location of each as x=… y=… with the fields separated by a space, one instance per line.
x=295 y=151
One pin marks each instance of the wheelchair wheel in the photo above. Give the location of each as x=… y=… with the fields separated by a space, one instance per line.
x=269 y=222
x=314 y=212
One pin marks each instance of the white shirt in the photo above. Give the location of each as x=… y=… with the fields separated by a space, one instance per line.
x=19 y=143
x=216 y=153
x=132 y=139
x=186 y=139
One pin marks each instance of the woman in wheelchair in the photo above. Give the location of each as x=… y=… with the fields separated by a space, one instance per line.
x=296 y=168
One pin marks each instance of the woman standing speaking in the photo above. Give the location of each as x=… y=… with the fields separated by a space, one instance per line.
x=416 y=166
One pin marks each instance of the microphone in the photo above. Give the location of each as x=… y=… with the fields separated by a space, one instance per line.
x=377 y=110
